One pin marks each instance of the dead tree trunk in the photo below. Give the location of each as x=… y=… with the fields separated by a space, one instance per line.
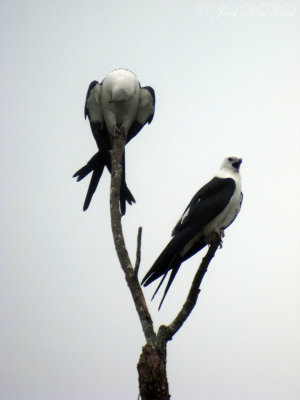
x=152 y=372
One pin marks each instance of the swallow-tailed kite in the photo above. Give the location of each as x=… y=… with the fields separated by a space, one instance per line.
x=213 y=208
x=117 y=103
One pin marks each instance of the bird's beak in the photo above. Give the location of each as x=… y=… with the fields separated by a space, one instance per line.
x=237 y=164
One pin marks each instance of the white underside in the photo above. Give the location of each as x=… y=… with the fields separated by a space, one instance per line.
x=119 y=99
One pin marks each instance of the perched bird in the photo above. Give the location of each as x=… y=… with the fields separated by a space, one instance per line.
x=213 y=208
x=117 y=103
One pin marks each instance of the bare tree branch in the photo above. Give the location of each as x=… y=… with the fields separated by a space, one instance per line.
x=138 y=251
x=166 y=333
x=130 y=275
x=153 y=381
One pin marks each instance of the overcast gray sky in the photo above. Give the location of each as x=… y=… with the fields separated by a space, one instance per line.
x=227 y=81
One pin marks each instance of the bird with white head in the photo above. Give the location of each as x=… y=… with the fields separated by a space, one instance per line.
x=213 y=208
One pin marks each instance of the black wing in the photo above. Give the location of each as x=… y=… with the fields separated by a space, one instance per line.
x=207 y=203
x=145 y=111
x=93 y=111
x=96 y=165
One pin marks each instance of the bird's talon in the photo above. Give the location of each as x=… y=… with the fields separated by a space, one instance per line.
x=217 y=237
x=220 y=233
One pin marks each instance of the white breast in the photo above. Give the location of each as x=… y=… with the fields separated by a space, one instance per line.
x=120 y=99
x=225 y=218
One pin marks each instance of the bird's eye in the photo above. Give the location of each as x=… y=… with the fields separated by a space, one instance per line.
x=230 y=159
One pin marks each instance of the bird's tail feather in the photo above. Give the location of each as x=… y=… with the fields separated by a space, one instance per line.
x=175 y=268
x=159 y=285
x=96 y=165
x=176 y=262
x=164 y=262
x=92 y=186
x=195 y=248
x=94 y=162
x=82 y=172
x=169 y=259
x=125 y=195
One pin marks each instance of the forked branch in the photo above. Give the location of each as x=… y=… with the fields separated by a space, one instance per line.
x=153 y=382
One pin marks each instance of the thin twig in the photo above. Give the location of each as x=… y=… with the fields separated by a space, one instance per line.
x=167 y=332
x=130 y=275
x=138 y=251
